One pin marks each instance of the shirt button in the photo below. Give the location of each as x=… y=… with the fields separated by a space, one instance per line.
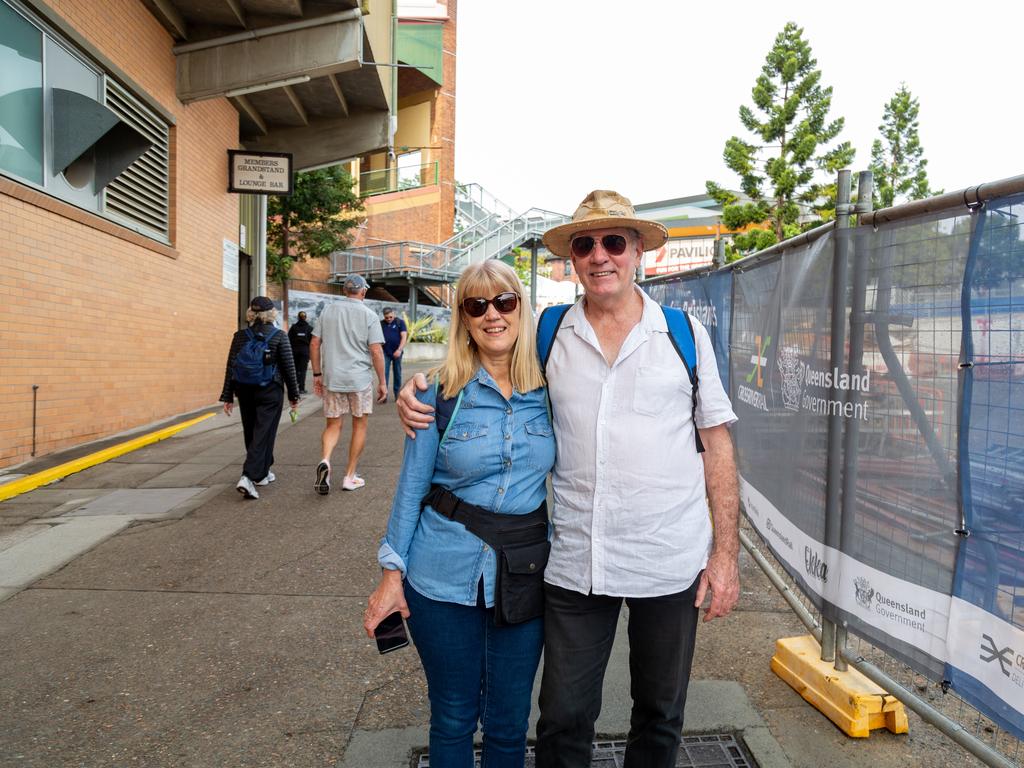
x=484 y=548
x=501 y=490
x=508 y=437
x=508 y=462
x=508 y=411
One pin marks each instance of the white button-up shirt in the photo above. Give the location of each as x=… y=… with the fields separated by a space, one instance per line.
x=630 y=514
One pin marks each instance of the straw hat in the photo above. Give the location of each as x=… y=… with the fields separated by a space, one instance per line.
x=604 y=209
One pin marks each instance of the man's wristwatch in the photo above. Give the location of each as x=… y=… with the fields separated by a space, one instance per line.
x=317 y=374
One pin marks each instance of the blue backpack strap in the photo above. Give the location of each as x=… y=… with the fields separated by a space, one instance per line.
x=445 y=409
x=547 y=328
x=680 y=331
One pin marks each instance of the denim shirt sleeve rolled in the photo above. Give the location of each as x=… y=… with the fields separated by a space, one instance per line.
x=414 y=482
x=496 y=454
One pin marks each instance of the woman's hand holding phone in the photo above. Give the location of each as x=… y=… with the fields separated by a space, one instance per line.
x=387 y=598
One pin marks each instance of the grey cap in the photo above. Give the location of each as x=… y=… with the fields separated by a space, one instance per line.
x=355 y=282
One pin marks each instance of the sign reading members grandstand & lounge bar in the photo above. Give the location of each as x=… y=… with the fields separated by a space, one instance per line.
x=259 y=173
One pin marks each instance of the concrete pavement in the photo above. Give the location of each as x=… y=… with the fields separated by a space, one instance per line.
x=153 y=617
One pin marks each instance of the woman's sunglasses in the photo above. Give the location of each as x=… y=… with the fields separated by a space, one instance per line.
x=505 y=303
x=585 y=244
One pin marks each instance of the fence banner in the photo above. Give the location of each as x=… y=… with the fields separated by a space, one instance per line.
x=923 y=553
x=707 y=297
x=889 y=570
x=987 y=628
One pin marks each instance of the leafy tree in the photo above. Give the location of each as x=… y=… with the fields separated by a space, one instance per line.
x=897 y=160
x=778 y=170
x=519 y=260
x=314 y=221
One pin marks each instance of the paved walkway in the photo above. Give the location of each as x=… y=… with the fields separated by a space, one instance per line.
x=151 y=616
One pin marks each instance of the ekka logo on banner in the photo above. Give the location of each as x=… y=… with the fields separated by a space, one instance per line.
x=990 y=652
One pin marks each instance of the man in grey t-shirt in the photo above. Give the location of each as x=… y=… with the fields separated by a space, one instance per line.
x=345 y=351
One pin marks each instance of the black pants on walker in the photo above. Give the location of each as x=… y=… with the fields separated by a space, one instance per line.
x=578 y=634
x=301 y=363
x=260 y=408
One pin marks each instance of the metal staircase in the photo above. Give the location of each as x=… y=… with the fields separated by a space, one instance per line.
x=488 y=229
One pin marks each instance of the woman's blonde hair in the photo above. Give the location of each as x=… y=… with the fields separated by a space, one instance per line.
x=267 y=316
x=488 y=279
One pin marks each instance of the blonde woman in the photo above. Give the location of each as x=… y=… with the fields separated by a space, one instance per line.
x=466 y=542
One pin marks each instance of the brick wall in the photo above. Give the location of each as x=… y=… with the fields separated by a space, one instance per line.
x=118 y=331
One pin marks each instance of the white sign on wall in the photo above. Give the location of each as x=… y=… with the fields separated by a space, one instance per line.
x=680 y=255
x=229 y=275
x=259 y=173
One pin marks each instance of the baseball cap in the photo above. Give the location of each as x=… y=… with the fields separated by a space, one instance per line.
x=356 y=282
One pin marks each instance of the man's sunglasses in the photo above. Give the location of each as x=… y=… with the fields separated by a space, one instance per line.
x=584 y=245
x=505 y=303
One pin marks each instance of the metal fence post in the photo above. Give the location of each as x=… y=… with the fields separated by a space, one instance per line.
x=854 y=394
x=833 y=472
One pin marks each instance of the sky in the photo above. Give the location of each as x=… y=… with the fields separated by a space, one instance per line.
x=558 y=97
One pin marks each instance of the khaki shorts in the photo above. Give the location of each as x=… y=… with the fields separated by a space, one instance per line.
x=338 y=404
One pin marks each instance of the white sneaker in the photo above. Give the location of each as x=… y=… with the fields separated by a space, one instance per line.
x=352 y=483
x=271 y=477
x=246 y=488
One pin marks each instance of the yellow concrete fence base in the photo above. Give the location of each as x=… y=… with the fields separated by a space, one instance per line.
x=31 y=482
x=848 y=699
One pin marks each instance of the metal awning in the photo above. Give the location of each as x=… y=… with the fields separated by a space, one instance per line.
x=301 y=73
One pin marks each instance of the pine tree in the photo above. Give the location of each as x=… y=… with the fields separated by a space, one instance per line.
x=897 y=160
x=779 y=171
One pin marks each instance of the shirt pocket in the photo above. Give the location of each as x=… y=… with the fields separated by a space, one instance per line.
x=540 y=440
x=464 y=447
x=656 y=389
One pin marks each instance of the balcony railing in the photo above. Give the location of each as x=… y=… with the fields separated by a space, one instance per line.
x=385 y=180
x=431 y=262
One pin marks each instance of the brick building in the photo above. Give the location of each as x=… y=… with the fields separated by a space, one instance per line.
x=123 y=265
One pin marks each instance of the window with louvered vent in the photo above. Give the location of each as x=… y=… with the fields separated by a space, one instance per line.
x=139 y=196
x=66 y=128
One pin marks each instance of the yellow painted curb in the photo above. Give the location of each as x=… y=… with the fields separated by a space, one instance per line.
x=848 y=699
x=30 y=483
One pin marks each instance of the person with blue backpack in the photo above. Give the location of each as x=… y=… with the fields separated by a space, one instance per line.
x=468 y=532
x=645 y=490
x=260 y=366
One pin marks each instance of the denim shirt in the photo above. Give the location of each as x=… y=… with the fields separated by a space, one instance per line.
x=497 y=455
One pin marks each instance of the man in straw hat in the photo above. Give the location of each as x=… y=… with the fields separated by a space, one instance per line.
x=630 y=516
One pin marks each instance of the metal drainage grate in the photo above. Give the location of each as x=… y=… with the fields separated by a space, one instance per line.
x=709 y=750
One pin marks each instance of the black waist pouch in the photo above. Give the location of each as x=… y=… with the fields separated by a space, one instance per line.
x=519 y=589
x=521 y=548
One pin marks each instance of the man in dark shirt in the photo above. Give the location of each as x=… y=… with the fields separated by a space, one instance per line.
x=299 y=335
x=395 y=336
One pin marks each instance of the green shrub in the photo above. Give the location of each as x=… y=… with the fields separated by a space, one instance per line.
x=424 y=329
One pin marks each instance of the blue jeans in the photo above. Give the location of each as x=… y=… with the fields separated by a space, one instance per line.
x=389 y=361
x=476 y=673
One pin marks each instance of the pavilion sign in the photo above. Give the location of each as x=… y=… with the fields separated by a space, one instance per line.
x=260 y=173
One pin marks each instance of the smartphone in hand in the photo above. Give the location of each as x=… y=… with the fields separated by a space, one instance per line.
x=390 y=633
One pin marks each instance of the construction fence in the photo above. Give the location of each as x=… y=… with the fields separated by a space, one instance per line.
x=878 y=375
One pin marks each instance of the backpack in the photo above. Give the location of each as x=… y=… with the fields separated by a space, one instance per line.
x=254 y=364
x=680 y=333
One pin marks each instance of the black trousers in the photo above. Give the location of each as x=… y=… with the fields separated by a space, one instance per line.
x=301 y=361
x=260 y=408
x=578 y=635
